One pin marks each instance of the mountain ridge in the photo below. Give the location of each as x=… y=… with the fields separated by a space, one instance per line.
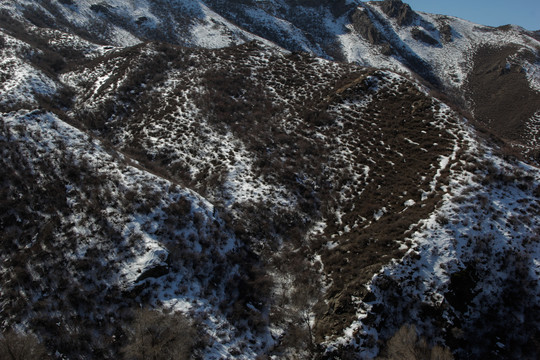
x=384 y=34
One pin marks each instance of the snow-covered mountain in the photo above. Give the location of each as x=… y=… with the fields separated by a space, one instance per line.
x=378 y=33
x=463 y=60
x=295 y=179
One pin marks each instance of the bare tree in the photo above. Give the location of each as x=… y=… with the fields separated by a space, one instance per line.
x=157 y=336
x=294 y=307
x=406 y=345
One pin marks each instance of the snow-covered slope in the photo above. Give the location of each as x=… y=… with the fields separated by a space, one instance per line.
x=92 y=230
x=472 y=263
x=379 y=34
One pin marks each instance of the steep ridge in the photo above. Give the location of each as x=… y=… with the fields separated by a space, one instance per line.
x=286 y=205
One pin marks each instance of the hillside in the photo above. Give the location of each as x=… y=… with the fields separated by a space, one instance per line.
x=463 y=60
x=266 y=202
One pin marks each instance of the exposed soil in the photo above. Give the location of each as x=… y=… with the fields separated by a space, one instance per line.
x=501 y=97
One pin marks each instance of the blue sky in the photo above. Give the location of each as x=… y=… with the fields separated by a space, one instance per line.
x=524 y=13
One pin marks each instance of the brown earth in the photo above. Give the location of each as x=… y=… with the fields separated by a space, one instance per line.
x=500 y=96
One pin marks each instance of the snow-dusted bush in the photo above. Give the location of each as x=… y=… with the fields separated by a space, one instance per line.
x=407 y=345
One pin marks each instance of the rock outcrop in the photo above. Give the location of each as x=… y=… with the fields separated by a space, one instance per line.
x=364 y=25
x=399 y=10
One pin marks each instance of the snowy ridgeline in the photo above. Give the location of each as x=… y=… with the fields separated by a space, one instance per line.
x=442 y=44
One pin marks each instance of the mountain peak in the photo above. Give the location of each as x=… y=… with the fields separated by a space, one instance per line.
x=398 y=10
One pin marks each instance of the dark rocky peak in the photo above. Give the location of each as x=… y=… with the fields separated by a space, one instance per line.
x=398 y=10
x=364 y=25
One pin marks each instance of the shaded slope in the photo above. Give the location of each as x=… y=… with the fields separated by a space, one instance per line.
x=501 y=98
x=84 y=232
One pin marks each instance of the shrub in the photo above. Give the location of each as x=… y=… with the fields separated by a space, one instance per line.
x=154 y=335
x=406 y=345
x=15 y=346
x=537 y=191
